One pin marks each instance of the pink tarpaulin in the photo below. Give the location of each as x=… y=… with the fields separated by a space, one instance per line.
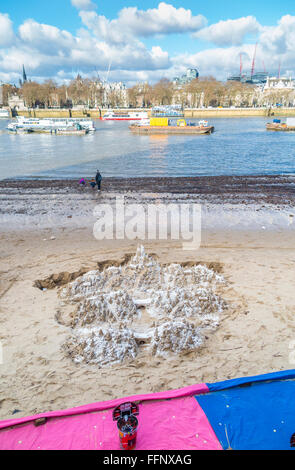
x=167 y=420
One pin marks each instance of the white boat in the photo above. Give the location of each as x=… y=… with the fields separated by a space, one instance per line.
x=124 y=116
x=24 y=123
x=4 y=114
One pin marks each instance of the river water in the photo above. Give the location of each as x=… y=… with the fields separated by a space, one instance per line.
x=239 y=146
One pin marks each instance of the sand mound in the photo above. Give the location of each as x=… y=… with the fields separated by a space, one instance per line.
x=180 y=302
x=101 y=346
x=116 y=309
x=175 y=336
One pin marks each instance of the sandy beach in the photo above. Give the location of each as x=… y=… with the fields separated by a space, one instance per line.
x=47 y=228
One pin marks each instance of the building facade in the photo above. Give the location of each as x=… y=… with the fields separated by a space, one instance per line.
x=283 y=83
x=113 y=94
x=16 y=102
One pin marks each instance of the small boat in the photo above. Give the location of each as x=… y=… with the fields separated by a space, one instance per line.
x=4 y=114
x=124 y=116
x=277 y=125
x=169 y=126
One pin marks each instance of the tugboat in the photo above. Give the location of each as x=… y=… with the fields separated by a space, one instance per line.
x=170 y=126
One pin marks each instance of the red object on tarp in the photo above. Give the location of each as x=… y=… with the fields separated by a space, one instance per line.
x=127 y=424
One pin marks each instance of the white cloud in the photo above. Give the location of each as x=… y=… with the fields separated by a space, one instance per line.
x=219 y=62
x=165 y=19
x=45 y=50
x=9 y=77
x=281 y=38
x=132 y=22
x=126 y=57
x=6 y=30
x=103 y=28
x=83 y=4
x=48 y=51
x=222 y=62
x=229 y=32
x=45 y=38
x=11 y=59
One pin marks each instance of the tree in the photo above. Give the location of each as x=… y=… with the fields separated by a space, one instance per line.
x=62 y=96
x=140 y=95
x=8 y=90
x=163 y=92
x=78 y=90
x=48 y=93
x=133 y=95
x=209 y=87
x=195 y=93
x=31 y=94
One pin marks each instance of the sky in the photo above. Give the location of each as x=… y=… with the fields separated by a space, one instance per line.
x=142 y=41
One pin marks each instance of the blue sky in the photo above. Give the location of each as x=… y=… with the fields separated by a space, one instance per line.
x=146 y=43
x=61 y=13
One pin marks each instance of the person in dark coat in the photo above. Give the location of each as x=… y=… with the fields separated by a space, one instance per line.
x=98 y=179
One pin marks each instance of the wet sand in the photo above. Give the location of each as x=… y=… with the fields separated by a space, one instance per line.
x=46 y=232
x=274 y=189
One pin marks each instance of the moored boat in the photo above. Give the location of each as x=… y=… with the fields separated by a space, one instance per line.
x=172 y=111
x=124 y=116
x=50 y=124
x=56 y=131
x=169 y=126
x=277 y=125
x=67 y=131
x=4 y=113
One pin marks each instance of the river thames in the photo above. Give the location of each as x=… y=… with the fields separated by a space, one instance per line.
x=239 y=146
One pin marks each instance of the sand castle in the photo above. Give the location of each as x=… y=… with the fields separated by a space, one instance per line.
x=120 y=310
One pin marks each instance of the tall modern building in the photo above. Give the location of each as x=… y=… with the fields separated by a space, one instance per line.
x=191 y=74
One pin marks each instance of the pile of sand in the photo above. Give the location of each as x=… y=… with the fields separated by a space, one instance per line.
x=112 y=307
x=121 y=310
x=175 y=336
x=102 y=346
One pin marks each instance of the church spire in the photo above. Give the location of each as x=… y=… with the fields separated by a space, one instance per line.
x=24 y=75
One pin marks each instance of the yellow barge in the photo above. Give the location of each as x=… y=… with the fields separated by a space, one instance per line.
x=168 y=126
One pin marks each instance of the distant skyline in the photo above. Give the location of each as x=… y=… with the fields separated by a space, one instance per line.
x=143 y=40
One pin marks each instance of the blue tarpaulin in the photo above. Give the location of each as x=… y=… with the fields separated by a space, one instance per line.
x=253 y=412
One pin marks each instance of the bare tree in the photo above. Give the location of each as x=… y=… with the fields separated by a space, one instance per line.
x=8 y=90
x=163 y=92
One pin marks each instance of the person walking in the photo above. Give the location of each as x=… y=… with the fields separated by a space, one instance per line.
x=98 y=179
